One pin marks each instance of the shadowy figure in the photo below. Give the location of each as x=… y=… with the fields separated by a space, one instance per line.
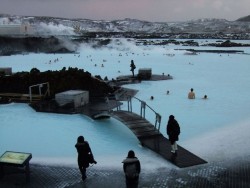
x=173 y=131
x=85 y=156
x=132 y=169
x=205 y=97
x=132 y=67
x=191 y=94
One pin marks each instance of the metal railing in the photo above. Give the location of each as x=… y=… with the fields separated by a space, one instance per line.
x=39 y=86
x=144 y=105
x=143 y=110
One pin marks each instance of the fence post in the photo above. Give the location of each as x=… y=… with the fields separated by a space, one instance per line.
x=158 y=120
x=129 y=104
x=30 y=94
x=142 y=113
x=143 y=107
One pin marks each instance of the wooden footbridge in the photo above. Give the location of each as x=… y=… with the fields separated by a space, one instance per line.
x=150 y=137
x=148 y=134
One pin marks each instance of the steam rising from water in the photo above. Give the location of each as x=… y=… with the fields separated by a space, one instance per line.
x=215 y=129
x=225 y=143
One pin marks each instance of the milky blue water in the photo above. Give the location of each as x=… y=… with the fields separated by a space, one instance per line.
x=218 y=124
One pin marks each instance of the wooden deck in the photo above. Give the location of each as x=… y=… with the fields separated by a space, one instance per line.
x=20 y=97
x=154 y=140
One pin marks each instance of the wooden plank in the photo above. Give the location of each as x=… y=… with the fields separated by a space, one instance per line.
x=145 y=131
x=144 y=128
x=134 y=126
x=161 y=145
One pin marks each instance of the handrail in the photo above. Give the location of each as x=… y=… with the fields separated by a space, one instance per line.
x=157 y=124
x=47 y=92
x=142 y=112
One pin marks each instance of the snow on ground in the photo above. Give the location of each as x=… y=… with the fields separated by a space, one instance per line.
x=214 y=129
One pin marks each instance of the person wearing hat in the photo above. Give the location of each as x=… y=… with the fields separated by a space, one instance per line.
x=173 y=132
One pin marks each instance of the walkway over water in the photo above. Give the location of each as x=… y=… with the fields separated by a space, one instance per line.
x=151 y=138
x=148 y=134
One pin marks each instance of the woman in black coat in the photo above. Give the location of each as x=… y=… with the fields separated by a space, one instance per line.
x=173 y=131
x=85 y=155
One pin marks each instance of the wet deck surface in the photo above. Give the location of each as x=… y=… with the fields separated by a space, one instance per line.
x=154 y=140
x=232 y=173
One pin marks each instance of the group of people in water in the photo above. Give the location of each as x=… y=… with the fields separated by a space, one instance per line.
x=191 y=94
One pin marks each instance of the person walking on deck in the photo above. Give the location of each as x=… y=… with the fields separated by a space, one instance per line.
x=173 y=131
x=85 y=155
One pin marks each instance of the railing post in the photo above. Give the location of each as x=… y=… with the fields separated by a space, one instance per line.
x=143 y=107
x=118 y=107
x=129 y=104
x=107 y=101
x=30 y=94
x=158 y=120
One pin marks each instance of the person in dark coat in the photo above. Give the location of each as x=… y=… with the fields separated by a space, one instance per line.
x=173 y=131
x=132 y=67
x=132 y=169
x=85 y=155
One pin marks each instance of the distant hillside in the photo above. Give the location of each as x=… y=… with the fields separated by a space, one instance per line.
x=19 y=26
x=42 y=26
x=244 y=19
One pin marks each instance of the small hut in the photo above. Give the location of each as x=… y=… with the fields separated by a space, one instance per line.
x=77 y=97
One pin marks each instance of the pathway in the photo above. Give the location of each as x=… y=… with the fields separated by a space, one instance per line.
x=151 y=138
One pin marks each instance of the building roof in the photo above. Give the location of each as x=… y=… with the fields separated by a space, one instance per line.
x=73 y=92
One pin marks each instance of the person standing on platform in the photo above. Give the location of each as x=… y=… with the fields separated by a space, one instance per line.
x=85 y=155
x=173 y=131
x=132 y=67
x=132 y=169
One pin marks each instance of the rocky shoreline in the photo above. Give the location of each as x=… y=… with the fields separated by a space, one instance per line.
x=11 y=45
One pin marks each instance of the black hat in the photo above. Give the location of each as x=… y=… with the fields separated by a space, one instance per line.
x=171 y=117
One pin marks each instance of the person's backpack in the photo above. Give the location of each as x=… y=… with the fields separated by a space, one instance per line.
x=131 y=171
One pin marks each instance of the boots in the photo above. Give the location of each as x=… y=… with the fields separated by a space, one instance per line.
x=175 y=147
x=172 y=148
x=83 y=172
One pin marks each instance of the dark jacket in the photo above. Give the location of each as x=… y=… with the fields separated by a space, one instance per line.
x=132 y=66
x=134 y=160
x=173 y=130
x=83 y=150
